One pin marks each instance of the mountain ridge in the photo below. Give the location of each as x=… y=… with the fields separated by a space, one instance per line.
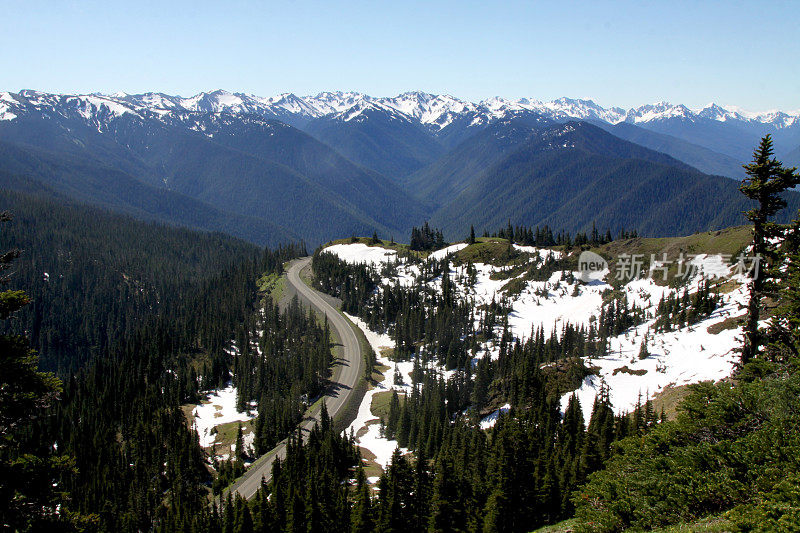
x=345 y=163
x=427 y=108
x=727 y=131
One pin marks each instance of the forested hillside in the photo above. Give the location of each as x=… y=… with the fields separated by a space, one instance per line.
x=153 y=316
x=258 y=179
x=87 y=180
x=94 y=276
x=570 y=176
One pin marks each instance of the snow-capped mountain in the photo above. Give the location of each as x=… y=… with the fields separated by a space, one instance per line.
x=658 y=111
x=363 y=108
x=348 y=163
x=413 y=129
x=434 y=111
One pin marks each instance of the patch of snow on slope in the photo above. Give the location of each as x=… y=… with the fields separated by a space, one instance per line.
x=530 y=310
x=490 y=420
x=372 y=440
x=544 y=253
x=689 y=355
x=359 y=253
x=219 y=408
x=248 y=440
x=680 y=357
x=6 y=101
x=89 y=105
x=444 y=252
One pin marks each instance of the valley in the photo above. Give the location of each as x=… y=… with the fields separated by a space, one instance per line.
x=273 y=169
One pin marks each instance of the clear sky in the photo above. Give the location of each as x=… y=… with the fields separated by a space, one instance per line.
x=617 y=53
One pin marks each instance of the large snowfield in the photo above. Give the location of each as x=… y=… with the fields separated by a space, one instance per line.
x=680 y=357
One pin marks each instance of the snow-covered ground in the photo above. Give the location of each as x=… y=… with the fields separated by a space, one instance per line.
x=680 y=357
x=444 y=252
x=356 y=253
x=219 y=408
x=490 y=420
x=372 y=440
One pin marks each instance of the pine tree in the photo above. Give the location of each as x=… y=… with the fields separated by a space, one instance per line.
x=644 y=353
x=394 y=415
x=395 y=489
x=767 y=179
x=783 y=334
x=445 y=514
x=28 y=481
x=362 y=521
x=239 y=452
x=471 y=235
x=480 y=389
x=421 y=491
x=229 y=522
x=244 y=520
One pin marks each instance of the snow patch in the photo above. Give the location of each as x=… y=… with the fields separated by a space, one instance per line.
x=490 y=420
x=444 y=252
x=360 y=253
x=680 y=357
x=372 y=440
x=219 y=408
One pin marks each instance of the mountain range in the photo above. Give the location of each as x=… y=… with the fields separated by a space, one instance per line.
x=338 y=163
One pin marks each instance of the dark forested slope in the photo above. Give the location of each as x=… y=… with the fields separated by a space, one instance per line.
x=573 y=175
x=94 y=276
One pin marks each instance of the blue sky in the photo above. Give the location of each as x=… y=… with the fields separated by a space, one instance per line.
x=617 y=53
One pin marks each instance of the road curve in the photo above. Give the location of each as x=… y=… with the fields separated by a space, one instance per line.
x=351 y=368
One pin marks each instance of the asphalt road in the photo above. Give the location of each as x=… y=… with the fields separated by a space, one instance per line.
x=350 y=368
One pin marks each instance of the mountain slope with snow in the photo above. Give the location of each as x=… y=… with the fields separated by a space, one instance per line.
x=435 y=111
x=699 y=350
x=726 y=130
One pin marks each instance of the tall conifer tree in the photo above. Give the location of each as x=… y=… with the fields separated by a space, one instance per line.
x=767 y=179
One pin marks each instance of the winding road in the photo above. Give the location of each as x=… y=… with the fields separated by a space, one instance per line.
x=343 y=385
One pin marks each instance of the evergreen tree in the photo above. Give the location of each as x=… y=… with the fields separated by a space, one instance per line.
x=644 y=353
x=445 y=513
x=394 y=499
x=784 y=329
x=240 y=455
x=767 y=179
x=30 y=492
x=362 y=519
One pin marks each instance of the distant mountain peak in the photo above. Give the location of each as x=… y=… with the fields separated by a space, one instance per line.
x=433 y=111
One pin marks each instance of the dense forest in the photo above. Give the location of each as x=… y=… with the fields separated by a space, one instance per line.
x=118 y=434
x=96 y=276
x=544 y=236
